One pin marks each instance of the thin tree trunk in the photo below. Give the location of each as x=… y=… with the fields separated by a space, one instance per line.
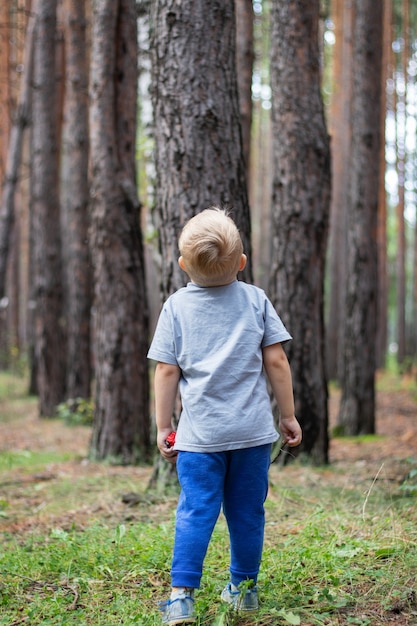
x=261 y=185
x=357 y=410
x=14 y=154
x=301 y=202
x=121 y=424
x=5 y=98
x=382 y=309
x=340 y=146
x=244 y=63
x=5 y=101
x=78 y=283
x=401 y=123
x=47 y=269
x=414 y=296
x=260 y=181
x=14 y=290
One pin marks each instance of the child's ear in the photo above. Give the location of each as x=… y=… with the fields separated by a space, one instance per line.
x=243 y=260
x=181 y=264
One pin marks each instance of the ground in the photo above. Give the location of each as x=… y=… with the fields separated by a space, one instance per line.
x=104 y=492
x=396 y=426
x=396 y=441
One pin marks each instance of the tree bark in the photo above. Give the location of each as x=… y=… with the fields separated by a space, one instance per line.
x=75 y=206
x=301 y=197
x=357 y=410
x=260 y=184
x=244 y=63
x=198 y=146
x=5 y=99
x=5 y=118
x=47 y=269
x=414 y=294
x=121 y=423
x=14 y=153
x=382 y=305
x=401 y=123
x=340 y=131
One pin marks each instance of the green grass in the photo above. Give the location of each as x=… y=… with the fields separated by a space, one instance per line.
x=14 y=399
x=30 y=460
x=398 y=377
x=12 y=386
x=340 y=544
x=332 y=556
x=354 y=553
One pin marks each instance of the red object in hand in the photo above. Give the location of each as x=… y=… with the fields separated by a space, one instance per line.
x=170 y=440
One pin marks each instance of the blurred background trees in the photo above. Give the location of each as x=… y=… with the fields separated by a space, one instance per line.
x=238 y=103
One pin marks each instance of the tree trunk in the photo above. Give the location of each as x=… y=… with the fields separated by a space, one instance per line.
x=301 y=197
x=414 y=295
x=48 y=315
x=357 y=410
x=121 y=422
x=78 y=290
x=260 y=183
x=14 y=154
x=5 y=36
x=340 y=131
x=401 y=123
x=244 y=64
x=198 y=146
x=5 y=106
x=382 y=307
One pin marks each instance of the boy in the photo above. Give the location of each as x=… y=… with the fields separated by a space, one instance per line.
x=213 y=340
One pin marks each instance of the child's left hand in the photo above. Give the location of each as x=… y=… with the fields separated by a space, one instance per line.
x=290 y=430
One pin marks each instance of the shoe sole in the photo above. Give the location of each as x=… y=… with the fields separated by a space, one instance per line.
x=184 y=620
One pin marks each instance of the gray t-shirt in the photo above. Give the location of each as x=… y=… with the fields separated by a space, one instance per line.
x=216 y=335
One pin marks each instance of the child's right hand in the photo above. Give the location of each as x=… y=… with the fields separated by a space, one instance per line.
x=166 y=451
x=290 y=431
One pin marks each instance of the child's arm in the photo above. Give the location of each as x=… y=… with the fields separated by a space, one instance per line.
x=166 y=386
x=278 y=371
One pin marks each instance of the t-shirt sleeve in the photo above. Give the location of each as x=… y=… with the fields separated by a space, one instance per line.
x=275 y=331
x=162 y=347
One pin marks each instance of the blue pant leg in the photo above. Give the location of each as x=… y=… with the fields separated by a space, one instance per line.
x=245 y=492
x=201 y=478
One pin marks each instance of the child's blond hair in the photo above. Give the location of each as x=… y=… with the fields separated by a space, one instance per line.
x=211 y=248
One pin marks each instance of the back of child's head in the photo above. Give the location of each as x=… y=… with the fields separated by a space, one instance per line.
x=211 y=248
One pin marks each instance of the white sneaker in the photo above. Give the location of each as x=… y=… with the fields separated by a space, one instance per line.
x=241 y=601
x=178 y=611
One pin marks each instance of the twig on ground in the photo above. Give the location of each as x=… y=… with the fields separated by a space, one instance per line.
x=370 y=489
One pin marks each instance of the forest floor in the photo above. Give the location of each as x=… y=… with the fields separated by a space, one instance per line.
x=351 y=458
x=57 y=453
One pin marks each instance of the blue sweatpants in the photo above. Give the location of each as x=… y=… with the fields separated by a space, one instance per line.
x=236 y=480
